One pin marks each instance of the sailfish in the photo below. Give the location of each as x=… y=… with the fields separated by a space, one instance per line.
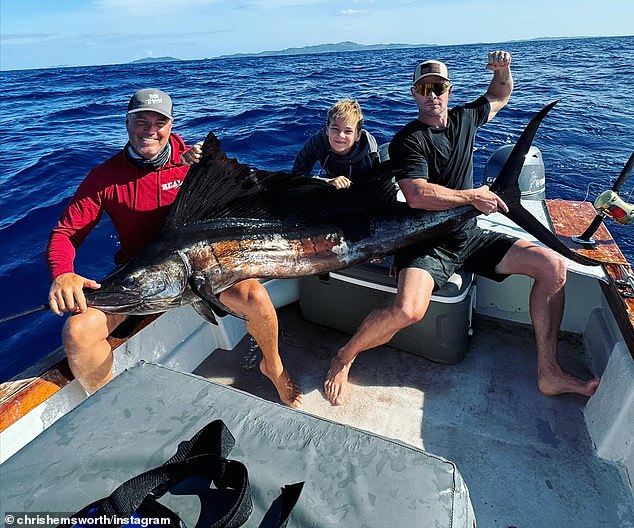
x=231 y=222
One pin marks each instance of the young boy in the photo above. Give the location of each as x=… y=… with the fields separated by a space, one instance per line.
x=345 y=151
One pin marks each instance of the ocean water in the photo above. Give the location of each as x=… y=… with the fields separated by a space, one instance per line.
x=58 y=123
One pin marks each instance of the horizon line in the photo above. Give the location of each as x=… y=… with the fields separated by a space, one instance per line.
x=288 y=51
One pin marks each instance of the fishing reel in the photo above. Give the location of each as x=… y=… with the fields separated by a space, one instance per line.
x=609 y=203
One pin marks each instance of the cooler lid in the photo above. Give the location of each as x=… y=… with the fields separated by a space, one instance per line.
x=375 y=275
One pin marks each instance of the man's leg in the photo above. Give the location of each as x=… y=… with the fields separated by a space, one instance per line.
x=84 y=338
x=250 y=298
x=546 y=308
x=415 y=287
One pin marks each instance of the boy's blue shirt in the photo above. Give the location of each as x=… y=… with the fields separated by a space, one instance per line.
x=354 y=165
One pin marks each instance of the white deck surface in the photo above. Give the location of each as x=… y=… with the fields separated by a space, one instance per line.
x=526 y=458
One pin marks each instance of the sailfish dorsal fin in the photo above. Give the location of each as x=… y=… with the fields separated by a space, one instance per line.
x=221 y=187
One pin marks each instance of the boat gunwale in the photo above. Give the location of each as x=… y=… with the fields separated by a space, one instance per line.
x=20 y=396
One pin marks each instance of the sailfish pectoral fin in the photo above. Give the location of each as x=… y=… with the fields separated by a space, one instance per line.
x=205 y=311
x=209 y=306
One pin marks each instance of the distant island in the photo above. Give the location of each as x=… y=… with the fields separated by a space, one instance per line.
x=323 y=48
x=305 y=50
x=326 y=48
x=154 y=59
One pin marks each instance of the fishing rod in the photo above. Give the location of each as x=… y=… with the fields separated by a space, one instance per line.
x=609 y=203
x=35 y=309
x=26 y=312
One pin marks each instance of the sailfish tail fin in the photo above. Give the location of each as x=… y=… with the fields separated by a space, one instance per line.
x=506 y=186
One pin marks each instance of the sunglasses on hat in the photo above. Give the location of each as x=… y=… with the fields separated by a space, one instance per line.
x=426 y=88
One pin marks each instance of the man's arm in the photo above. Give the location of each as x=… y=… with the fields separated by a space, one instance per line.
x=421 y=194
x=499 y=91
x=78 y=219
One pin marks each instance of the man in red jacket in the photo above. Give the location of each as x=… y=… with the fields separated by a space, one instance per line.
x=136 y=188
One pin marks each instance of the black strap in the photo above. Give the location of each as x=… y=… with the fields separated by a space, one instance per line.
x=279 y=512
x=225 y=474
x=204 y=455
x=214 y=439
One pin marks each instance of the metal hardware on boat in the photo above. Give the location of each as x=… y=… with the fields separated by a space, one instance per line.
x=625 y=283
x=609 y=203
x=586 y=242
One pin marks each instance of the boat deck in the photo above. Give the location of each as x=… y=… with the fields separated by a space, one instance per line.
x=527 y=459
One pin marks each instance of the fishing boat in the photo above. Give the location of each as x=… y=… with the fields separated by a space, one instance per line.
x=442 y=426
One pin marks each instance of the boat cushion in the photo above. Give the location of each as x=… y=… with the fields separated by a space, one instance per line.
x=136 y=422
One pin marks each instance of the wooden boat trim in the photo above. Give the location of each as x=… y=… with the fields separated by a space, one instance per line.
x=570 y=218
x=19 y=397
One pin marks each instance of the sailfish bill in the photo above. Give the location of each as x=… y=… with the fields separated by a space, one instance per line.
x=231 y=222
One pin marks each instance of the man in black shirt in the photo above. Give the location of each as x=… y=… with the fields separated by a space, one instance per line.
x=433 y=159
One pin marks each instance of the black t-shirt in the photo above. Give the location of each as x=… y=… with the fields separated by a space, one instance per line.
x=440 y=155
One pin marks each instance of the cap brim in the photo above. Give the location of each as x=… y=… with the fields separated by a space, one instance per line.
x=431 y=75
x=156 y=110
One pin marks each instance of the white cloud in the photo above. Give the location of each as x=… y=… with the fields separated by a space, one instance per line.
x=26 y=38
x=127 y=8
x=352 y=12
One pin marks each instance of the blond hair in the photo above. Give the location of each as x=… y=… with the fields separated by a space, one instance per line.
x=347 y=109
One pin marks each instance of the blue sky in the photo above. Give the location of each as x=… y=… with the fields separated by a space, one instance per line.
x=45 y=33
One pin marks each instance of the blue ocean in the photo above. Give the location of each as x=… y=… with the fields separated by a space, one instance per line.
x=58 y=123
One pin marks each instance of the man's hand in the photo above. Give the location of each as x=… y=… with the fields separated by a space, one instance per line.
x=486 y=201
x=501 y=87
x=498 y=59
x=67 y=295
x=193 y=155
x=340 y=182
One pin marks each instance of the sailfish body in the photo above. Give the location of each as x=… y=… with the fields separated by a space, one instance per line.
x=230 y=222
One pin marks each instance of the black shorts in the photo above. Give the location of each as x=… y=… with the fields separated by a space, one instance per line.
x=125 y=329
x=472 y=249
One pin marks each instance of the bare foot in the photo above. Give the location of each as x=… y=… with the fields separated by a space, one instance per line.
x=288 y=392
x=559 y=381
x=336 y=384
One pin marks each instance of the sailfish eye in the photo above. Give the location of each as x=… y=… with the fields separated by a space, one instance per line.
x=128 y=282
